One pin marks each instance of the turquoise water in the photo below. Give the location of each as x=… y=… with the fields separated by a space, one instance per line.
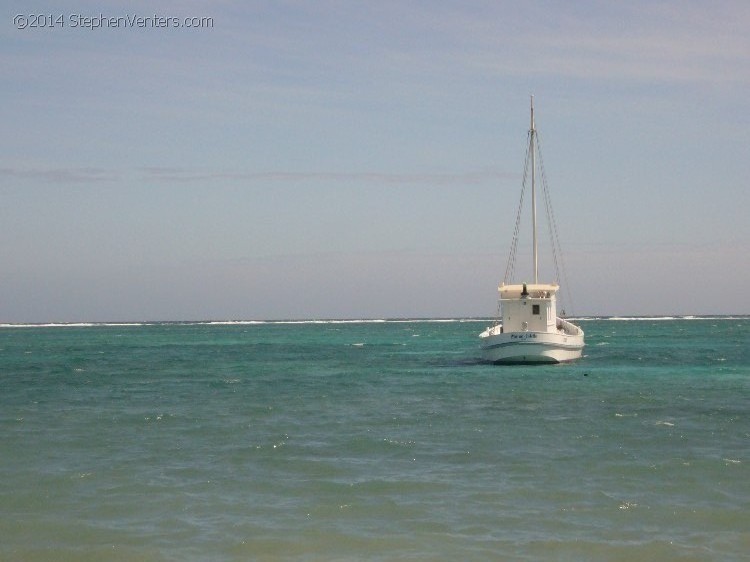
x=372 y=441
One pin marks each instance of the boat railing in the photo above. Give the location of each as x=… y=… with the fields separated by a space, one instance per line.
x=568 y=328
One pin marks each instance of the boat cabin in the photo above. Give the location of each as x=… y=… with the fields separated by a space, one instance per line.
x=529 y=307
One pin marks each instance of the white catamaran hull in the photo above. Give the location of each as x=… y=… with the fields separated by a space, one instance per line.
x=530 y=347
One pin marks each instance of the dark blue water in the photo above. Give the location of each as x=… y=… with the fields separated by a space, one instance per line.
x=372 y=441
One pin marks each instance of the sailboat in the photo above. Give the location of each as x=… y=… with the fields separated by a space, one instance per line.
x=530 y=330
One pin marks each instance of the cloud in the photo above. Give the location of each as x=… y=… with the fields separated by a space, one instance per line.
x=460 y=178
x=62 y=175
x=185 y=175
x=638 y=41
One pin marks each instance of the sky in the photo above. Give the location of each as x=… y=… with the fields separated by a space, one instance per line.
x=364 y=159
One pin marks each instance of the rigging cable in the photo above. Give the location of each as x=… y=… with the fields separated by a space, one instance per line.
x=510 y=267
x=553 y=232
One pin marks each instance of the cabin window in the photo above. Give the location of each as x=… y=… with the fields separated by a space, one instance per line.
x=534 y=309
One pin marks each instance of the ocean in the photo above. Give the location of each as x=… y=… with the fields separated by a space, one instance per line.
x=374 y=441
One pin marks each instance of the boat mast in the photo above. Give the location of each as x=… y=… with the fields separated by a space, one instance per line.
x=532 y=141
